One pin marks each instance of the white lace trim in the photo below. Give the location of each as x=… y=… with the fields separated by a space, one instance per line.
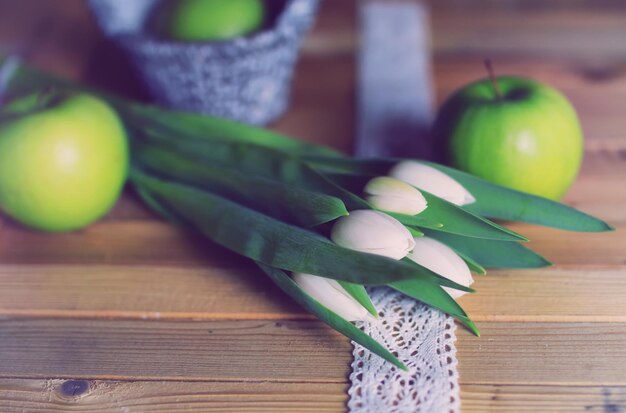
x=423 y=338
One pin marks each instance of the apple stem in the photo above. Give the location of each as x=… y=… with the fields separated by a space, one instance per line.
x=492 y=78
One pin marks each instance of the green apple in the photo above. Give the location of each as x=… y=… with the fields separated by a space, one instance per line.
x=62 y=163
x=515 y=132
x=203 y=20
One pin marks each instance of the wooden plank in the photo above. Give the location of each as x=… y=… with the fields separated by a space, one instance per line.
x=574 y=33
x=253 y=350
x=323 y=101
x=556 y=294
x=576 y=249
x=544 y=353
x=134 y=242
x=296 y=351
x=546 y=399
x=70 y=39
x=573 y=30
x=142 y=292
x=61 y=396
x=599 y=189
x=203 y=293
x=57 y=395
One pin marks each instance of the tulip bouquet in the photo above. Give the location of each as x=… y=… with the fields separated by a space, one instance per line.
x=322 y=225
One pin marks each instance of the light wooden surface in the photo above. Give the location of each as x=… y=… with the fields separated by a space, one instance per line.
x=133 y=315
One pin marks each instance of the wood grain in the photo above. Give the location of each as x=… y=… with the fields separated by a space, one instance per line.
x=544 y=353
x=567 y=29
x=118 y=242
x=287 y=351
x=142 y=292
x=546 y=399
x=559 y=294
x=549 y=295
x=237 y=351
x=62 y=396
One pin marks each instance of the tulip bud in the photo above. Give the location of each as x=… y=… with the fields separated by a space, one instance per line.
x=432 y=180
x=332 y=296
x=373 y=232
x=394 y=195
x=442 y=260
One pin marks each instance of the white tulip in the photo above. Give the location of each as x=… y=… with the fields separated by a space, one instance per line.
x=331 y=295
x=439 y=258
x=432 y=180
x=393 y=195
x=373 y=232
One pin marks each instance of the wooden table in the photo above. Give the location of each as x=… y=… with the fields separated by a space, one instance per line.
x=132 y=315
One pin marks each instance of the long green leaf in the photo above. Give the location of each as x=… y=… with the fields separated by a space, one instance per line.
x=359 y=293
x=491 y=254
x=183 y=125
x=282 y=201
x=251 y=159
x=457 y=220
x=503 y=203
x=434 y=296
x=275 y=243
x=346 y=328
x=493 y=201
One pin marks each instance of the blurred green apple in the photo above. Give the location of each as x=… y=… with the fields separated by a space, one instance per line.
x=63 y=163
x=204 y=20
x=517 y=133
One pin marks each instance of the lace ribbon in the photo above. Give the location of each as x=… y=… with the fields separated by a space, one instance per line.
x=423 y=338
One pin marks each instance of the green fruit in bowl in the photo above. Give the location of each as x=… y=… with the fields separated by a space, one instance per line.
x=205 y=20
x=63 y=163
x=514 y=132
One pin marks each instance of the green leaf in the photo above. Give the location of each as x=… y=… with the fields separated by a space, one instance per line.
x=457 y=220
x=267 y=240
x=282 y=201
x=156 y=207
x=184 y=125
x=434 y=296
x=352 y=166
x=346 y=328
x=359 y=293
x=251 y=159
x=489 y=253
x=503 y=203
